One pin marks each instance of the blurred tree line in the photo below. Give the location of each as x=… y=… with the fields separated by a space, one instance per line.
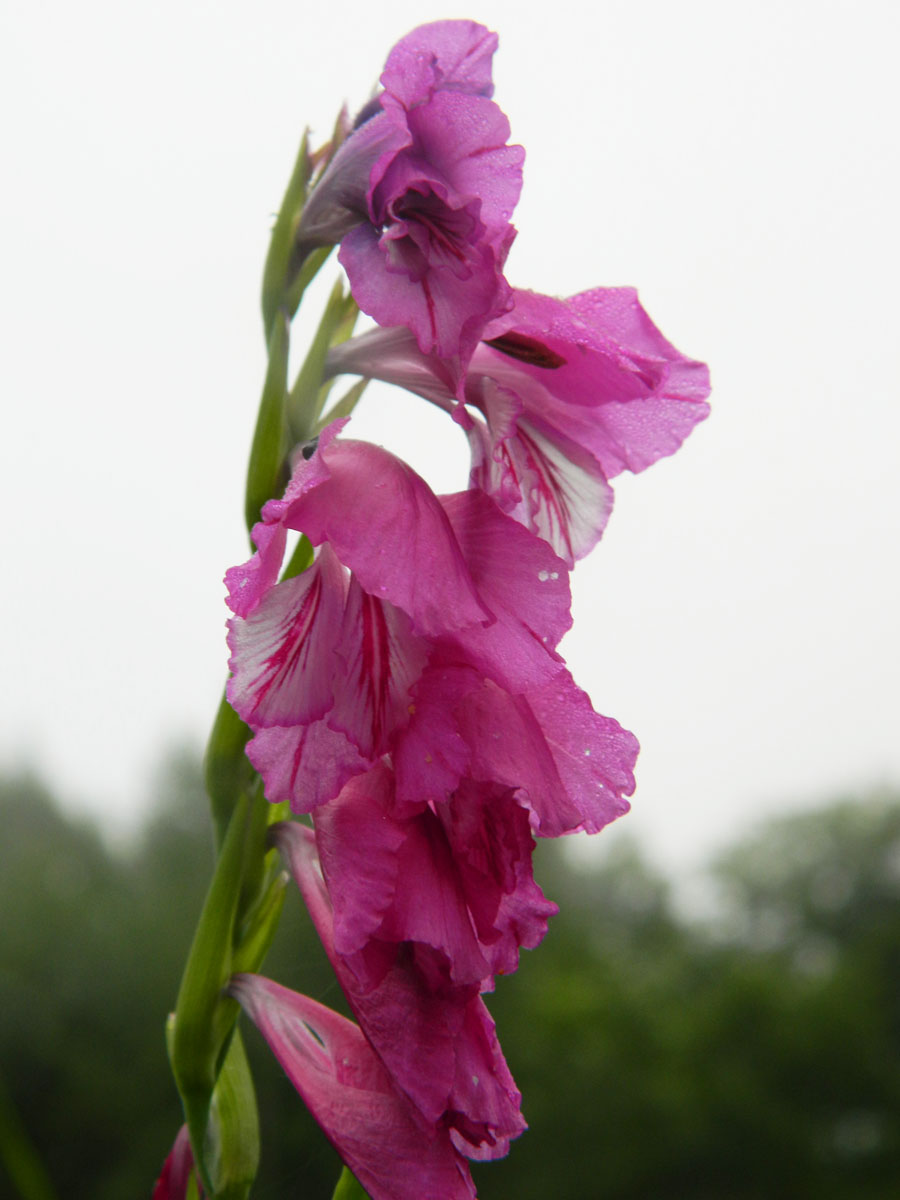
x=754 y=1055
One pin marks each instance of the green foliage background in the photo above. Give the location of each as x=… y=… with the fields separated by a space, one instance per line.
x=752 y=1056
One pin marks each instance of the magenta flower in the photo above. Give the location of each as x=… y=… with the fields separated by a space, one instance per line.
x=455 y=877
x=562 y=396
x=323 y=664
x=409 y=594
x=435 y=1037
x=177 y=1170
x=373 y=1127
x=421 y=193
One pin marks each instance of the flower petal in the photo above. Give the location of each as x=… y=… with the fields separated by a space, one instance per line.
x=439 y=1044
x=338 y=202
x=372 y=1126
x=359 y=848
x=432 y=756
x=487 y=1102
x=446 y=313
x=387 y=526
x=572 y=767
x=379 y=660
x=490 y=838
x=399 y=882
x=304 y=764
x=526 y=586
x=451 y=55
x=547 y=482
x=173 y=1180
x=283 y=654
x=616 y=386
x=594 y=755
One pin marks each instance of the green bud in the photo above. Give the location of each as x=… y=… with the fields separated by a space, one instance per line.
x=304 y=404
x=281 y=245
x=266 y=474
x=232 y=1136
x=259 y=926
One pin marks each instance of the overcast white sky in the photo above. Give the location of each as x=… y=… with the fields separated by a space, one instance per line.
x=737 y=163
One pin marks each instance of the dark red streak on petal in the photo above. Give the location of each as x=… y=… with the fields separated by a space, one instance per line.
x=376 y=667
x=550 y=487
x=437 y=234
x=527 y=350
x=290 y=649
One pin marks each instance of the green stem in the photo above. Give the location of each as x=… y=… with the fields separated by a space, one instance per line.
x=227 y=771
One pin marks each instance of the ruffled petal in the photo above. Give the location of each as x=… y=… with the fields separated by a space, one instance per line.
x=387 y=526
x=432 y=906
x=441 y=55
x=490 y=838
x=593 y=754
x=304 y=764
x=571 y=767
x=248 y=583
x=487 y=1102
x=464 y=139
x=399 y=883
x=525 y=585
x=596 y=369
x=548 y=483
x=507 y=746
x=438 y=1044
x=445 y=312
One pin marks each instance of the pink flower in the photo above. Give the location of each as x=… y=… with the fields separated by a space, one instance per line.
x=373 y=1127
x=177 y=1170
x=455 y=877
x=562 y=396
x=324 y=664
x=421 y=193
x=435 y=1037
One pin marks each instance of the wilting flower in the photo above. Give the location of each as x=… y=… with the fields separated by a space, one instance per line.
x=373 y=1126
x=177 y=1171
x=413 y=599
x=562 y=396
x=434 y=1036
x=421 y=193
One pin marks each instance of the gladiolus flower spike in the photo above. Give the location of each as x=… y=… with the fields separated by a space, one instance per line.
x=401 y=678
